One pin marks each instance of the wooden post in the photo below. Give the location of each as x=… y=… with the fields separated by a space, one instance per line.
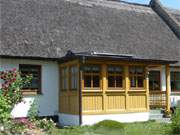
x=147 y=87
x=167 y=88
x=127 y=85
x=104 y=85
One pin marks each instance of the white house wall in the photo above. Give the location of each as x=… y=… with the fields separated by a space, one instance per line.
x=48 y=100
x=128 y=117
x=175 y=98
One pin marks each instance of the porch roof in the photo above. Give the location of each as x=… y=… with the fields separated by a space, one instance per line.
x=46 y=29
x=111 y=56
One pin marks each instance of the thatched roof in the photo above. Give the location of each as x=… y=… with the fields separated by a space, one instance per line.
x=48 y=28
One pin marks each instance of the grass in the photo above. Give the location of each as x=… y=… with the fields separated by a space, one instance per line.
x=116 y=128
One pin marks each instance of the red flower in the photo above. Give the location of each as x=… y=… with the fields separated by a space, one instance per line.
x=14 y=69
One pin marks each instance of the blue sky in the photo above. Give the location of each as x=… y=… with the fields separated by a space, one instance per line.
x=168 y=3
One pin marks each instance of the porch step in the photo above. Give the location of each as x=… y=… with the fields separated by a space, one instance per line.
x=156 y=114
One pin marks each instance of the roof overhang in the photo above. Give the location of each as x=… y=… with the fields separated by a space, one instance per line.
x=109 y=56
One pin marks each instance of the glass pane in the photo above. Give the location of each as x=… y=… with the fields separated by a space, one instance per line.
x=87 y=69
x=172 y=75
x=133 y=81
x=111 y=81
x=73 y=82
x=177 y=76
x=132 y=70
x=177 y=86
x=87 y=81
x=34 y=84
x=139 y=70
x=151 y=85
x=156 y=85
x=140 y=81
x=95 y=69
x=172 y=85
x=96 y=81
x=118 y=70
x=65 y=82
x=119 y=81
x=154 y=80
x=111 y=70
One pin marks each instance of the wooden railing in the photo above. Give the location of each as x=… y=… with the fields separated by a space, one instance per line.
x=157 y=99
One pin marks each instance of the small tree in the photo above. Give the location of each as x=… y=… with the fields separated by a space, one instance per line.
x=10 y=91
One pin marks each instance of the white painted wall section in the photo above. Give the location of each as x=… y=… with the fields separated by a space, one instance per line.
x=128 y=117
x=68 y=119
x=48 y=100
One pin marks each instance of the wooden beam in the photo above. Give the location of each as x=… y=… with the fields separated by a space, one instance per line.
x=127 y=85
x=104 y=85
x=147 y=87
x=167 y=88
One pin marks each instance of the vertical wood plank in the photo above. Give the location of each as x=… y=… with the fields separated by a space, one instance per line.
x=147 y=87
x=167 y=88
x=104 y=85
x=127 y=85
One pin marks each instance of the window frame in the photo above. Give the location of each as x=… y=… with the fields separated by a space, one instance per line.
x=64 y=77
x=173 y=89
x=136 y=76
x=31 y=90
x=91 y=74
x=115 y=75
x=159 y=79
x=76 y=75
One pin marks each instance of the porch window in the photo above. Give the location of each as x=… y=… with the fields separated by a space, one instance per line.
x=91 y=76
x=154 y=80
x=175 y=81
x=136 y=77
x=115 y=77
x=64 y=78
x=35 y=71
x=73 y=77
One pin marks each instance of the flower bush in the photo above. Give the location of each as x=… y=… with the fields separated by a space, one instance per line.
x=10 y=95
x=10 y=92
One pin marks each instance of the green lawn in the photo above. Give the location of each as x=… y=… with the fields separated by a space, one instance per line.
x=139 y=128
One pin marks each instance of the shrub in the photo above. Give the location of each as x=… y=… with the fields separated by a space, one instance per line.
x=110 y=124
x=45 y=125
x=5 y=109
x=175 y=126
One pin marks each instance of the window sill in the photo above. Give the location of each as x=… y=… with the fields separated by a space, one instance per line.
x=91 y=90
x=30 y=93
x=175 y=92
x=136 y=90
x=115 y=90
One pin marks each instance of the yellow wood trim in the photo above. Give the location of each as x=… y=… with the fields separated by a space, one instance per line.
x=104 y=85
x=147 y=87
x=114 y=112
x=118 y=63
x=168 y=83
x=29 y=93
x=117 y=91
x=127 y=85
x=74 y=62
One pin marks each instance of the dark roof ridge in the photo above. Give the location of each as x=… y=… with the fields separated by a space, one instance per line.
x=119 y=4
x=170 y=20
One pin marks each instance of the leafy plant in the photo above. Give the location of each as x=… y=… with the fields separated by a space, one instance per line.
x=175 y=126
x=5 y=109
x=110 y=124
x=33 y=111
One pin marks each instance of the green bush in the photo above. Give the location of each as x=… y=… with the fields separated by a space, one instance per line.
x=110 y=124
x=175 y=126
x=5 y=109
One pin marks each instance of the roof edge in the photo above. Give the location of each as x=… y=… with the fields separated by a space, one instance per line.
x=167 y=17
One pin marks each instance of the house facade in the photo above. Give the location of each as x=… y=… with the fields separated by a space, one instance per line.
x=93 y=60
